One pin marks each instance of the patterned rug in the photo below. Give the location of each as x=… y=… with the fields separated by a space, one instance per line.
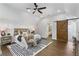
x=17 y=50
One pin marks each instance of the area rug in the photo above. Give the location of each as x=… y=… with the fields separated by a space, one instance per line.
x=17 y=50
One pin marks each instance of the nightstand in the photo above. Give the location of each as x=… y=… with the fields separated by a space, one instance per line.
x=5 y=40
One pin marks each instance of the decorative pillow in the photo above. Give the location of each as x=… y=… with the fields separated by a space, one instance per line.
x=25 y=35
x=30 y=36
x=19 y=38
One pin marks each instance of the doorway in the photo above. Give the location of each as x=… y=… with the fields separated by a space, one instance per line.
x=62 y=31
x=66 y=30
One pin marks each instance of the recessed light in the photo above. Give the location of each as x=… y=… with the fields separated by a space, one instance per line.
x=28 y=9
x=58 y=11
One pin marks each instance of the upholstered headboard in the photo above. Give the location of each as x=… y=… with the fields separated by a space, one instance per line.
x=17 y=30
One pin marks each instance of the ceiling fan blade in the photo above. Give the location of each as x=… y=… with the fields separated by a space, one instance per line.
x=35 y=5
x=33 y=12
x=42 y=8
x=39 y=11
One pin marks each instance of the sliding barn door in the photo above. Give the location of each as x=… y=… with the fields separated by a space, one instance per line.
x=62 y=31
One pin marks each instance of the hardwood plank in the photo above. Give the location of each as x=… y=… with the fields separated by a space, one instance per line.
x=58 y=49
x=5 y=51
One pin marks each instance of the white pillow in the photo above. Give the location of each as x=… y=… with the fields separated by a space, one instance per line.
x=37 y=36
x=25 y=34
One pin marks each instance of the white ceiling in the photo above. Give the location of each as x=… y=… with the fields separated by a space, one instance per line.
x=16 y=13
x=52 y=8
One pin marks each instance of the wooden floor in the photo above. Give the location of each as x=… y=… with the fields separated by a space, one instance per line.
x=6 y=51
x=58 y=49
x=54 y=49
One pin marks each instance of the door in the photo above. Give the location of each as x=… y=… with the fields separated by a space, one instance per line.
x=62 y=30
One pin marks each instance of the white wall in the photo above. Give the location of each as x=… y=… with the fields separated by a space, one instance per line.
x=77 y=25
x=11 y=18
x=43 y=28
x=54 y=31
x=71 y=30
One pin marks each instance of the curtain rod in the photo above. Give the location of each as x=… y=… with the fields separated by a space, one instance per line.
x=68 y=19
x=72 y=19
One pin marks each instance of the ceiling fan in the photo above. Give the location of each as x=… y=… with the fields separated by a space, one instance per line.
x=37 y=9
